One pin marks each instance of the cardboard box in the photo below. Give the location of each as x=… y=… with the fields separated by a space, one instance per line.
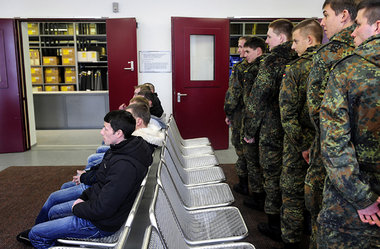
x=50 y=60
x=92 y=56
x=71 y=79
x=69 y=71
x=53 y=79
x=82 y=56
x=33 y=29
x=68 y=52
x=37 y=88
x=34 y=55
x=37 y=79
x=69 y=60
x=67 y=88
x=52 y=71
x=36 y=71
x=51 y=88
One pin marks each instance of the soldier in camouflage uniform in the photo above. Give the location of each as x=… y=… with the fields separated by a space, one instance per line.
x=350 y=138
x=254 y=48
x=233 y=107
x=338 y=25
x=299 y=132
x=264 y=119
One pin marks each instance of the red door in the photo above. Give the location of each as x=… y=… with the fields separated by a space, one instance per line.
x=122 y=60
x=200 y=48
x=12 y=128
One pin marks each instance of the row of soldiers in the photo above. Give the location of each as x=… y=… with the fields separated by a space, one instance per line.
x=305 y=122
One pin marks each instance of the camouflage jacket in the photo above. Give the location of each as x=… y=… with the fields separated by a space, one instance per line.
x=263 y=98
x=339 y=46
x=234 y=95
x=294 y=112
x=250 y=74
x=350 y=124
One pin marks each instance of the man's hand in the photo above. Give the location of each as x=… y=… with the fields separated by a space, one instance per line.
x=76 y=202
x=371 y=214
x=228 y=122
x=76 y=178
x=306 y=155
x=249 y=141
x=123 y=107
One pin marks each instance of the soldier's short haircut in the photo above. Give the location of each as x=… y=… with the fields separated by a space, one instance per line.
x=310 y=27
x=150 y=85
x=244 y=38
x=255 y=42
x=142 y=87
x=372 y=10
x=140 y=110
x=139 y=99
x=282 y=26
x=339 y=5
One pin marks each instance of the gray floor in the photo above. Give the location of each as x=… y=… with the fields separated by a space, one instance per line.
x=71 y=147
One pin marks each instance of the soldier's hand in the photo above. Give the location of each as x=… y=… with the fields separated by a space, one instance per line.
x=371 y=214
x=249 y=141
x=305 y=155
x=228 y=122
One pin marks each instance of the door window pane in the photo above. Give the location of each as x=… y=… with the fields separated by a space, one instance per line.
x=202 y=57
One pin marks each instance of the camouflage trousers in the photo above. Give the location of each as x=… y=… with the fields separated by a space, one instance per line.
x=241 y=163
x=292 y=184
x=314 y=182
x=255 y=174
x=329 y=238
x=270 y=151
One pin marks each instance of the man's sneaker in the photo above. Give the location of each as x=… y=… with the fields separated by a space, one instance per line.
x=23 y=237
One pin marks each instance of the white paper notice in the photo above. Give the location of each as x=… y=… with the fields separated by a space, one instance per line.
x=155 y=62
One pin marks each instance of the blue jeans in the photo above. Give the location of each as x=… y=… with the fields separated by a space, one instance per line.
x=44 y=235
x=96 y=158
x=64 y=197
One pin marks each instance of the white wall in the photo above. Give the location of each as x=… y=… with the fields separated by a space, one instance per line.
x=153 y=17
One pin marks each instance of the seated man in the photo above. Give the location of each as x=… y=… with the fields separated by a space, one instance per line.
x=155 y=109
x=59 y=203
x=103 y=208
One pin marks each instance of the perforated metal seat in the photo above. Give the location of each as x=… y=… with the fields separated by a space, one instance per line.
x=187 y=142
x=213 y=225
x=189 y=151
x=197 y=197
x=189 y=162
x=192 y=177
x=118 y=238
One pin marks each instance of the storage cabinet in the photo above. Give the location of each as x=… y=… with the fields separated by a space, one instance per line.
x=68 y=56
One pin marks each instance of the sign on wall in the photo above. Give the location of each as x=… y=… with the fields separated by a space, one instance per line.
x=155 y=62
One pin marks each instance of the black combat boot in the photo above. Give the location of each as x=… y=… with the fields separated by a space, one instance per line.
x=242 y=186
x=289 y=246
x=272 y=229
x=256 y=201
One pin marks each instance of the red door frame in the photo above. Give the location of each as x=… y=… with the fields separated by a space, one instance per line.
x=200 y=113
x=12 y=119
x=121 y=50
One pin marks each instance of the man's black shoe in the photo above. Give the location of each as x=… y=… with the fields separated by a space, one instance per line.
x=242 y=186
x=256 y=201
x=23 y=237
x=273 y=232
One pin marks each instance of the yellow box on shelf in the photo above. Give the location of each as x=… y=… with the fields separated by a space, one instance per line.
x=67 y=88
x=51 y=88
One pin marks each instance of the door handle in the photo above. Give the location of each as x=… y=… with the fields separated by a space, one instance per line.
x=179 y=95
x=132 y=68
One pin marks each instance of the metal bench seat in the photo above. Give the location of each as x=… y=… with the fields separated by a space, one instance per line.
x=187 y=142
x=153 y=239
x=197 y=197
x=189 y=162
x=213 y=225
x=192 y=177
